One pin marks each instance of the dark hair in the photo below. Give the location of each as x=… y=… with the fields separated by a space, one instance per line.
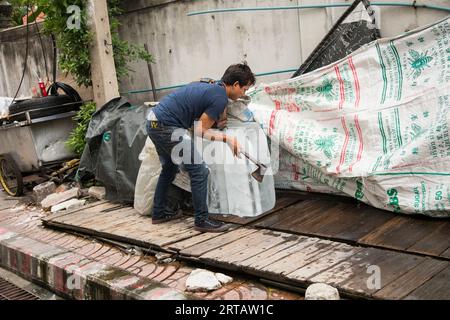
x=239 y=72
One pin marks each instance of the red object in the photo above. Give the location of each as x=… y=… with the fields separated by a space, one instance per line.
x=35 y=93
x=42 y=87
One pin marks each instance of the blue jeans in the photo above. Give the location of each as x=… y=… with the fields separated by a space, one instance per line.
x=162 y=139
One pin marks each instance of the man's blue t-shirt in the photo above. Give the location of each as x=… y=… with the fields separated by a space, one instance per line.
x=185 y=105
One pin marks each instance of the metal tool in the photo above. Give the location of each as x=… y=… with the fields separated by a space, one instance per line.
x=258 y=174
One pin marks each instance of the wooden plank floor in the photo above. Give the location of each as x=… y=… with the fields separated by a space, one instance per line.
x=285 y=256
x=360 y=224
x=120 y=223
x=436 y=288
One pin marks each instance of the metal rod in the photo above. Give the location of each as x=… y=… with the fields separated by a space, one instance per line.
x=318 y=6
x=150 y=72
x=182 y=85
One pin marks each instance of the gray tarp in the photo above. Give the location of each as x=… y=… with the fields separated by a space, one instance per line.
x=115 y=137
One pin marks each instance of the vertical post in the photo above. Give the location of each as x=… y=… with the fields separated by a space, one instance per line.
x=150 y=72
x=103 y=70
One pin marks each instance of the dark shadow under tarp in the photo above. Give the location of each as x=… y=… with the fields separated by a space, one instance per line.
x=115 y=137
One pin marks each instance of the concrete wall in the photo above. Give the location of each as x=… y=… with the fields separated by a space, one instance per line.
x=187 y=48
x=12 y=58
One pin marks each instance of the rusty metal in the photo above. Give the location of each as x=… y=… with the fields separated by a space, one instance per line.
x=9 y=291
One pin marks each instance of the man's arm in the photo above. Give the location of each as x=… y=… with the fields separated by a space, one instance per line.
x=202 y=129
x=222 y=123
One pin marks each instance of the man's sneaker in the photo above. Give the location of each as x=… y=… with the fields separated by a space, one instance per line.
x=208 y=225
x=167 y=217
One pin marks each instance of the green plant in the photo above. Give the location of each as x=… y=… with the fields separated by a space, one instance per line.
x=73 y=44
x=17 y=13
x=77 y=138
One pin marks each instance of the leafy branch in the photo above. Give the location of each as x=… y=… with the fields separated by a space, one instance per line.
x=77 y=138
x=73 y=44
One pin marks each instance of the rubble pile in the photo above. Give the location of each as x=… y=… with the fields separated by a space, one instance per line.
x=67 y=196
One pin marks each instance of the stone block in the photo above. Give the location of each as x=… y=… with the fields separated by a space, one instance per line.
x=57 y=198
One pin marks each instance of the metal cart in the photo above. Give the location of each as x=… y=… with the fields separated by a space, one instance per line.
x=33 y=145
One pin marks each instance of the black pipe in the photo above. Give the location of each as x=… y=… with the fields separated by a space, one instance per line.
x=55 y=55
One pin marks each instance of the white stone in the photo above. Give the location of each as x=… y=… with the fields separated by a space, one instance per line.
x=68 y=205
x=97 y=192
x=202 y=280
x=162 y=255
x=166 y=261
x=164 y=258
x=76 y=204
x=57 y=198
x=321 y=291
x=223 y=279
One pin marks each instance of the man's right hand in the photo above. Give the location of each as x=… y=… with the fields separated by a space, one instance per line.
x=235 y=146
x=202 y=130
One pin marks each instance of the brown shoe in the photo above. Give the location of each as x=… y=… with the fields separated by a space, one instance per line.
x=167 y=217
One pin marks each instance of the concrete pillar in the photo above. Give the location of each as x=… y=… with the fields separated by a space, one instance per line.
x=103 y=70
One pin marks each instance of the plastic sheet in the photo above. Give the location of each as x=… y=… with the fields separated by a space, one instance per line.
x=147 y=178
x=374 y=125
x=4 y=106
x=231 y=188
